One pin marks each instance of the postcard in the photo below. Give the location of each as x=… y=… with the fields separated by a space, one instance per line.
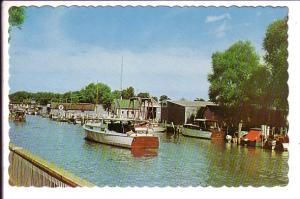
x=147 y=96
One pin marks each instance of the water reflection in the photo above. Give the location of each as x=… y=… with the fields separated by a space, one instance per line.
x=179 y=161
x=136 y=152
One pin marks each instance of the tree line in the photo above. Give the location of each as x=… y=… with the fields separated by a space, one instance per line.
x=247 y=88
x=97 y=93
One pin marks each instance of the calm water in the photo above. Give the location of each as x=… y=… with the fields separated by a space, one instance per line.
x=179 y=161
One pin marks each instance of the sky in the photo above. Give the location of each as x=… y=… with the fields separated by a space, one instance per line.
x=165 y=50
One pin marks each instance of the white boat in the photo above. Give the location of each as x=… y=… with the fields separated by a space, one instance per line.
x=119 y=132
x=203 y=128
x=149 y=127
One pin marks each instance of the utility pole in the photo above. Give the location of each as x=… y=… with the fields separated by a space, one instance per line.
x=97 y=93
x=121 y=83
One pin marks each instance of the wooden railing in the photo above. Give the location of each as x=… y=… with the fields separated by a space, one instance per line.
x=27 y=169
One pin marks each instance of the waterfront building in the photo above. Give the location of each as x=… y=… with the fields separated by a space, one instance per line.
x=76 y=110
x=137 y=108
x=180 y=111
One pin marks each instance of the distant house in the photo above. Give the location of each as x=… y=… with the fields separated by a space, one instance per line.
x=180 y=111
x=79 y=109
x=136 y=108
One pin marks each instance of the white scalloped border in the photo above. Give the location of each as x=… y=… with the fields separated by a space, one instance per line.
x=148 y=192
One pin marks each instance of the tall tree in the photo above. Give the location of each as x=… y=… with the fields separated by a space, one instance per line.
x=128 y=93
x=230 y=80
x=275 y=44
x=16 y=18
x=199 y=99
x=163 y=97
x=143 y=95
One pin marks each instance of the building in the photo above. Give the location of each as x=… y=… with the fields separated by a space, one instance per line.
x=136 y=108
x=76 y=109
x=179 y=112
x=211 y=112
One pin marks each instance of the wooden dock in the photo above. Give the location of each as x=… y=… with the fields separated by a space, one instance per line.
x=27 y=169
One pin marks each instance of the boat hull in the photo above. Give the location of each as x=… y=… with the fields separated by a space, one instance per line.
x=151 y=130
x=122 y=140
x=196 y=133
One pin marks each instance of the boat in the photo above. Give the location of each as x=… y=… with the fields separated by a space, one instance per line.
x=270 y=144
x=148 y=126
x=282 y=143
x=18 y=116
x=54 y=117
x=119 y=132
x=253 y=138
x=203 y=128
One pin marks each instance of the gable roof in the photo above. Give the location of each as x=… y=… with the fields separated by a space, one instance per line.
x=186 y=103
x=74 y=106
x=134 y=103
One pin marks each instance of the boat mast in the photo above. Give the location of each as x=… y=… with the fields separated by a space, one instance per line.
x=121 y=81
x=96 y=92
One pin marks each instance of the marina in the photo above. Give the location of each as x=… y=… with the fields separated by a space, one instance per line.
x=140 y=96
x=179 y=160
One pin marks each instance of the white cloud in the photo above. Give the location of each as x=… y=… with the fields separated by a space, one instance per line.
x=214 y=18
x=175 y=72
x=221 y=30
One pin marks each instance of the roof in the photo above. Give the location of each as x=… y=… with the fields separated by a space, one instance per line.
x=124 y=104
x=134 y=103
x=253 y=135
x=186 y=103
x=74 y=106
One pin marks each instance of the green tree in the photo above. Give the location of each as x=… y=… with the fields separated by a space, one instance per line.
x=155 y=98
x=231 y=79
x=199 y=99
x=275 y=44
x=143 y=95
x=128 y=93
x=163 y=97
x=16 y=18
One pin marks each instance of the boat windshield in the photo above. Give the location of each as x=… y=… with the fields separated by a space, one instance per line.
x=120 y=127
x=206 y=125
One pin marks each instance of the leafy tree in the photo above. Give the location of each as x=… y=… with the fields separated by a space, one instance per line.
x=155 y=98
x=231 y=80
x=143 y=95
x=275 y=44
x=163 y=97
x=199 y=99
x=128 y=93
x=16 y=18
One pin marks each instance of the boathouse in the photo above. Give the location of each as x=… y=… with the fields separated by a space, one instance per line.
x=179 y=112
x=136 y=108
x=76 y=109
x=211 y=112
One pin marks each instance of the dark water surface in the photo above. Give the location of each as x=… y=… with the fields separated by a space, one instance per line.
x=180 y=161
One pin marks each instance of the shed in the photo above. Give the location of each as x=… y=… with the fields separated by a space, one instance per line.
x=180 y=111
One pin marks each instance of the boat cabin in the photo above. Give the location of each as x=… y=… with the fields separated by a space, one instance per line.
x=203 y=124
x=120 y=126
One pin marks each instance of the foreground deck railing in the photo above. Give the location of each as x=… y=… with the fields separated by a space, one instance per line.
x=27 y=169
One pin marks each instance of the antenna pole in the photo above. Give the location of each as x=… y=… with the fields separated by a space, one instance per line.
x=121 y=83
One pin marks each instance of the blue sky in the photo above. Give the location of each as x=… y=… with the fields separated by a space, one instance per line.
x=165 y=50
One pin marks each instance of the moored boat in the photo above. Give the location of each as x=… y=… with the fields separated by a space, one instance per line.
x=203 y=128
x=148 y=126
x=119 y=132
x=253 y=138
x=18 y=116
x=282 y=143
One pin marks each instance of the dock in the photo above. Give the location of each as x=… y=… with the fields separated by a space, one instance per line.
x=27 y=169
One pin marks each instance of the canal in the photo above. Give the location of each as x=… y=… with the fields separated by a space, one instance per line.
x=179 y=161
